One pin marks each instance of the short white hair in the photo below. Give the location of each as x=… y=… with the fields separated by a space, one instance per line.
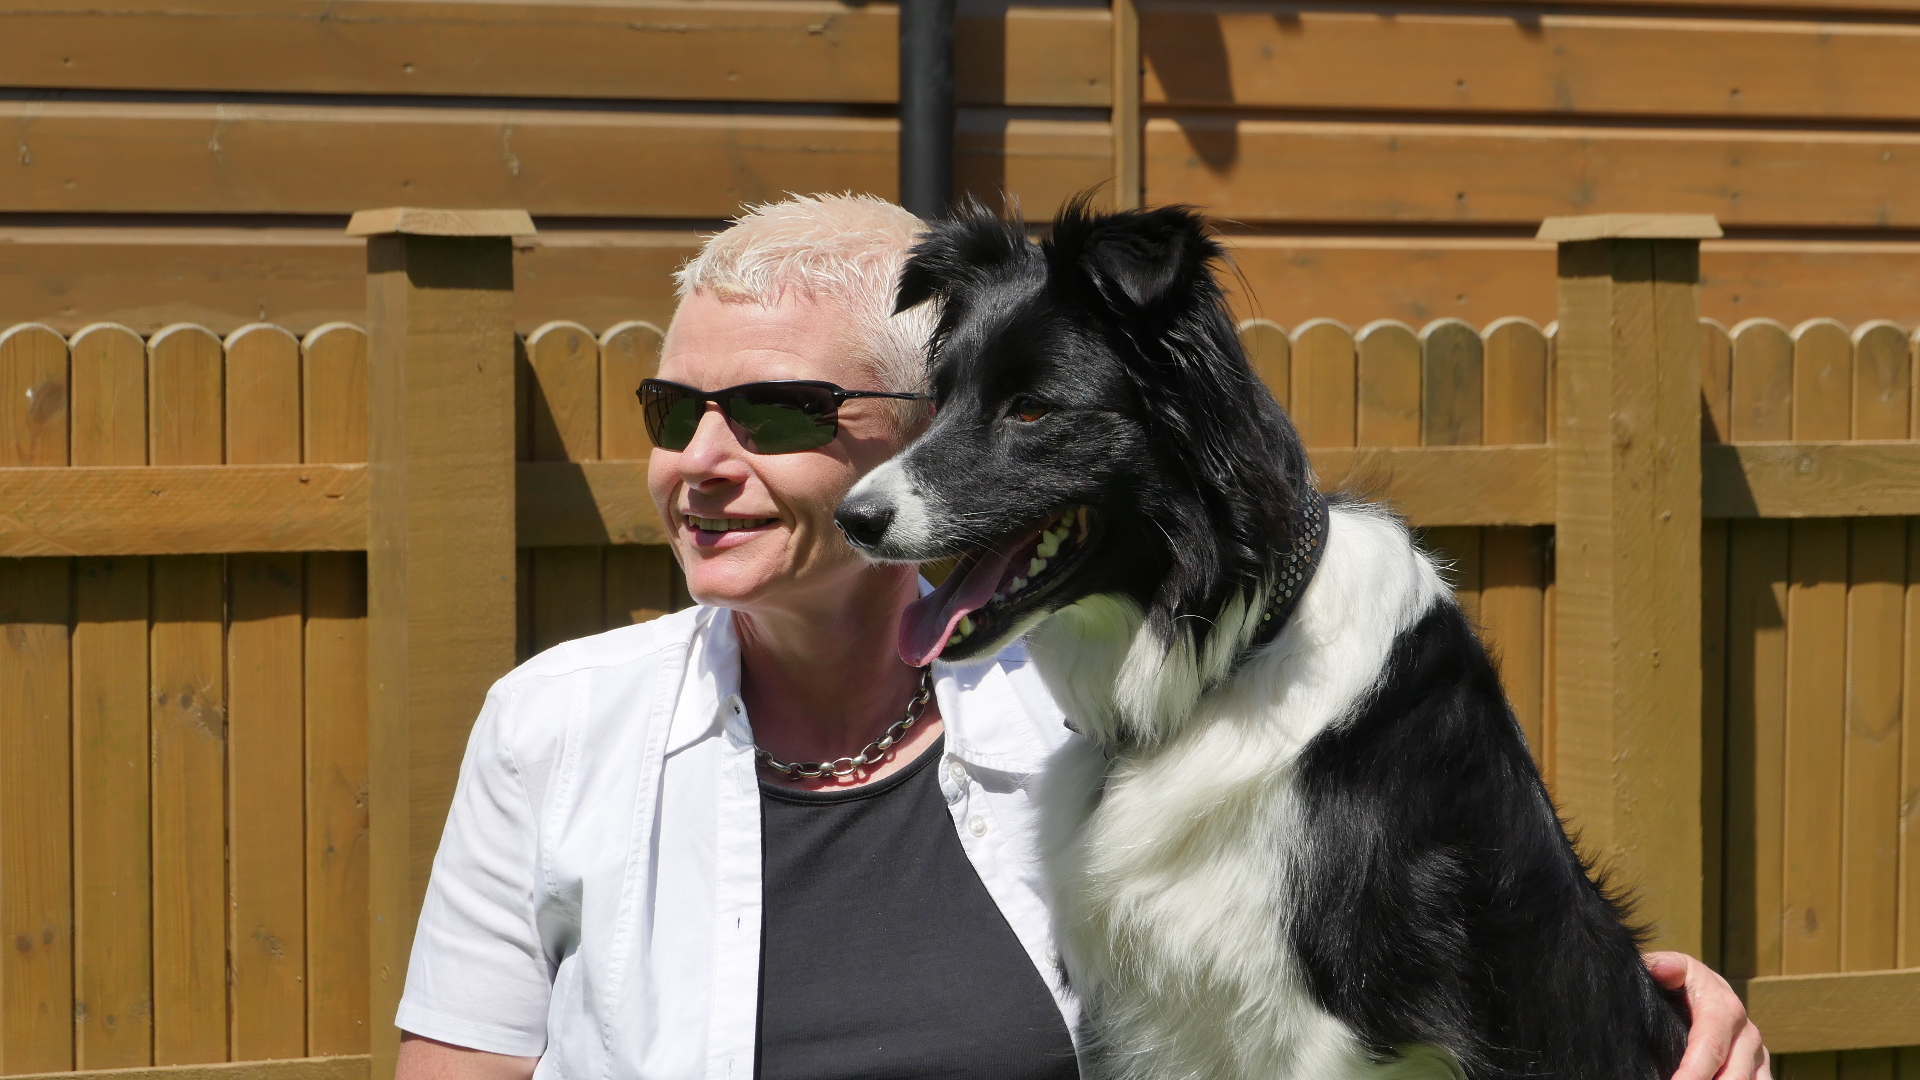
x=845 y=250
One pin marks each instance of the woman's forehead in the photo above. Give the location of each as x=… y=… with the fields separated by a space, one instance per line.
x=714 y=343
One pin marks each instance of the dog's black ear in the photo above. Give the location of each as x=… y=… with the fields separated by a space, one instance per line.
x=1136 y=259
x=966 y=248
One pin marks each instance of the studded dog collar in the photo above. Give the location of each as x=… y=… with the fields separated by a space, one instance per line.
x=1308 y=543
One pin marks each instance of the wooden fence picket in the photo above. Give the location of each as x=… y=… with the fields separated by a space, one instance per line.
x=266 y=936
x=185 y=399
x=1513 y=569
x=113 y=918
x=1324 y=394
x=1716 y=416
x=1452 y=396
x=641 y=580
x=1387 y=367
x=564 y=359
x=36 y=901
x=334 y=398
x=1271 y=355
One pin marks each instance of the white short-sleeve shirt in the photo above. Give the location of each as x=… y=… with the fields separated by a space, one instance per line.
x=596 y=896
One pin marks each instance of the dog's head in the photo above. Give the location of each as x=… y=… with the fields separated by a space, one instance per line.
x=1098 y=432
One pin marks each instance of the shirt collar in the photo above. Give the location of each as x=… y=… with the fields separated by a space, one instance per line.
x=996 y=712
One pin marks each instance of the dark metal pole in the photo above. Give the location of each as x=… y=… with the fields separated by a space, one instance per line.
x=926 y=106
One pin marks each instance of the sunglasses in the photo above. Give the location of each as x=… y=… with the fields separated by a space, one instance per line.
x=783 y=417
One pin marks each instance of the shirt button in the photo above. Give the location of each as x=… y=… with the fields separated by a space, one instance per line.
x=977 y=825
x=957 y=771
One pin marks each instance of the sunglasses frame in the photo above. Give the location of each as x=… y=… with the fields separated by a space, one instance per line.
x=841 y=395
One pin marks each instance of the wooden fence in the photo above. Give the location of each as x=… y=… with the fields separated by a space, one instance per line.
x=188 y=758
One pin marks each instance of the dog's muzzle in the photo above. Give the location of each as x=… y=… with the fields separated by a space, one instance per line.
x=865 y=519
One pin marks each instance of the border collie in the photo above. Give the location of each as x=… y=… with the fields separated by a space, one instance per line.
x=1302 y=836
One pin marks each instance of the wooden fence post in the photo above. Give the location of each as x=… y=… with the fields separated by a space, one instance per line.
x=440 y=550
x=1626 y=630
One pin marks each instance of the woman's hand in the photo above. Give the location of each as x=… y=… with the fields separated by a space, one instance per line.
x=1723 y=1043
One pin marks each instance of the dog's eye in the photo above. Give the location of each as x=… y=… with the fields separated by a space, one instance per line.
x=1029 y=409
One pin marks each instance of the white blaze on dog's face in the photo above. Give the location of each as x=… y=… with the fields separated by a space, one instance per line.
x=756 y=530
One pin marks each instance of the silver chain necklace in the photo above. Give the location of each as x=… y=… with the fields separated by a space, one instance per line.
x=873 y=752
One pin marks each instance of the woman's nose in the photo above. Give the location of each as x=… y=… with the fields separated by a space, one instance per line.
x=713 y=453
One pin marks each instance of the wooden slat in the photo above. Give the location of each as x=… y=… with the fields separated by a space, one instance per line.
x=1270 y=353
x=1716 y=382
x=188 y=722
x=233 y=158
x=810 y=51
x=1439 y=486
x=1909 y=928
x=1452 y=392
x=265 y=862
x=1811 y=479
x=1324 y=395
x=564 y=360
x=629 y=352
x=639 y=583
x=1816 y=672
x=113 y=921
x=334 y=395
x=1762 y=381
x=1340 y=171
x=114 y=511
x=1713 y=739
x=317 y=1068
x=1829 y=1012
x=36 y=897
x=1388 y=370
x=1514 y=568
x=1302 y=56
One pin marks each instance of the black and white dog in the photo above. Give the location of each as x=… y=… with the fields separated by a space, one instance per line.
x=1303 y=837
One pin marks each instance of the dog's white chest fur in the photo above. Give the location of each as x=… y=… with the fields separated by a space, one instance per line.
x=1169 y=864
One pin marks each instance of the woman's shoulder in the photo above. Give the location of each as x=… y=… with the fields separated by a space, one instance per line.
x=641 y=644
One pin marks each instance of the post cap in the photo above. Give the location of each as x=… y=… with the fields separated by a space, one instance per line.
x=1630 y=227
x=415 y=221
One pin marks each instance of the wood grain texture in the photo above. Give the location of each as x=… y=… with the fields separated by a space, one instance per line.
x=1757 y=574
x=1516 y=377
x=1627 y=637
x=334 y=395
x=109 y=396
x=317 y=1068
x=1304 y=56
x=113 y=918
x=36 y=898
x=639 y=583
x=1840 y=1011
x=188 y=721
x=1713 y=740
x=809 y=51
x=1870 y=794
x=272 y=158
x=1716 y=382
x=1387 y=365
x=160 y=510
x=1909 y=913
x=1515 y=567
x=629 y=353
x=1271 y=354
x=1452 y=384
x=564 y=359
x=1325 y=393
x=1816 y=693
x=441 y=570
x=266 y=930
x=1811 y=479
x=1258 y=170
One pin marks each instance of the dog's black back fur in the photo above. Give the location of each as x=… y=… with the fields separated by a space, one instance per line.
x=1440 y=900
x=1435 y=897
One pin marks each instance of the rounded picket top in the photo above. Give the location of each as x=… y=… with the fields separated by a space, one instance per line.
x=333 y=392
x=34 y=380
x=1716 y=381
x=1270 y=353
x=1882 y=381
x=1518 y=382
x=186 y=396
x=1453 y=383
x=629 y=352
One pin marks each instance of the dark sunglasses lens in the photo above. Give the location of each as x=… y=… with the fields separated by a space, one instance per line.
x=784 y=419
x=672 y=415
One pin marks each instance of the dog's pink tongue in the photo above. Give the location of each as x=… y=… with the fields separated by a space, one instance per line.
x=929 y=621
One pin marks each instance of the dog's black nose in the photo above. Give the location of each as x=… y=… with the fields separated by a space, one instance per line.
x=864 y=520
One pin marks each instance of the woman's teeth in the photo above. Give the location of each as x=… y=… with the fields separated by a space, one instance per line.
x=725 y=524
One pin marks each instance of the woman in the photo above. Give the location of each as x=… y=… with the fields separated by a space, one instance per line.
x=635 y=881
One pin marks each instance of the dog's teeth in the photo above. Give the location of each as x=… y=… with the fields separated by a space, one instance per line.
x=966 y=625
x=1036 y=567
x=954 y=640
x=1049 y=545
x=1018 y=584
